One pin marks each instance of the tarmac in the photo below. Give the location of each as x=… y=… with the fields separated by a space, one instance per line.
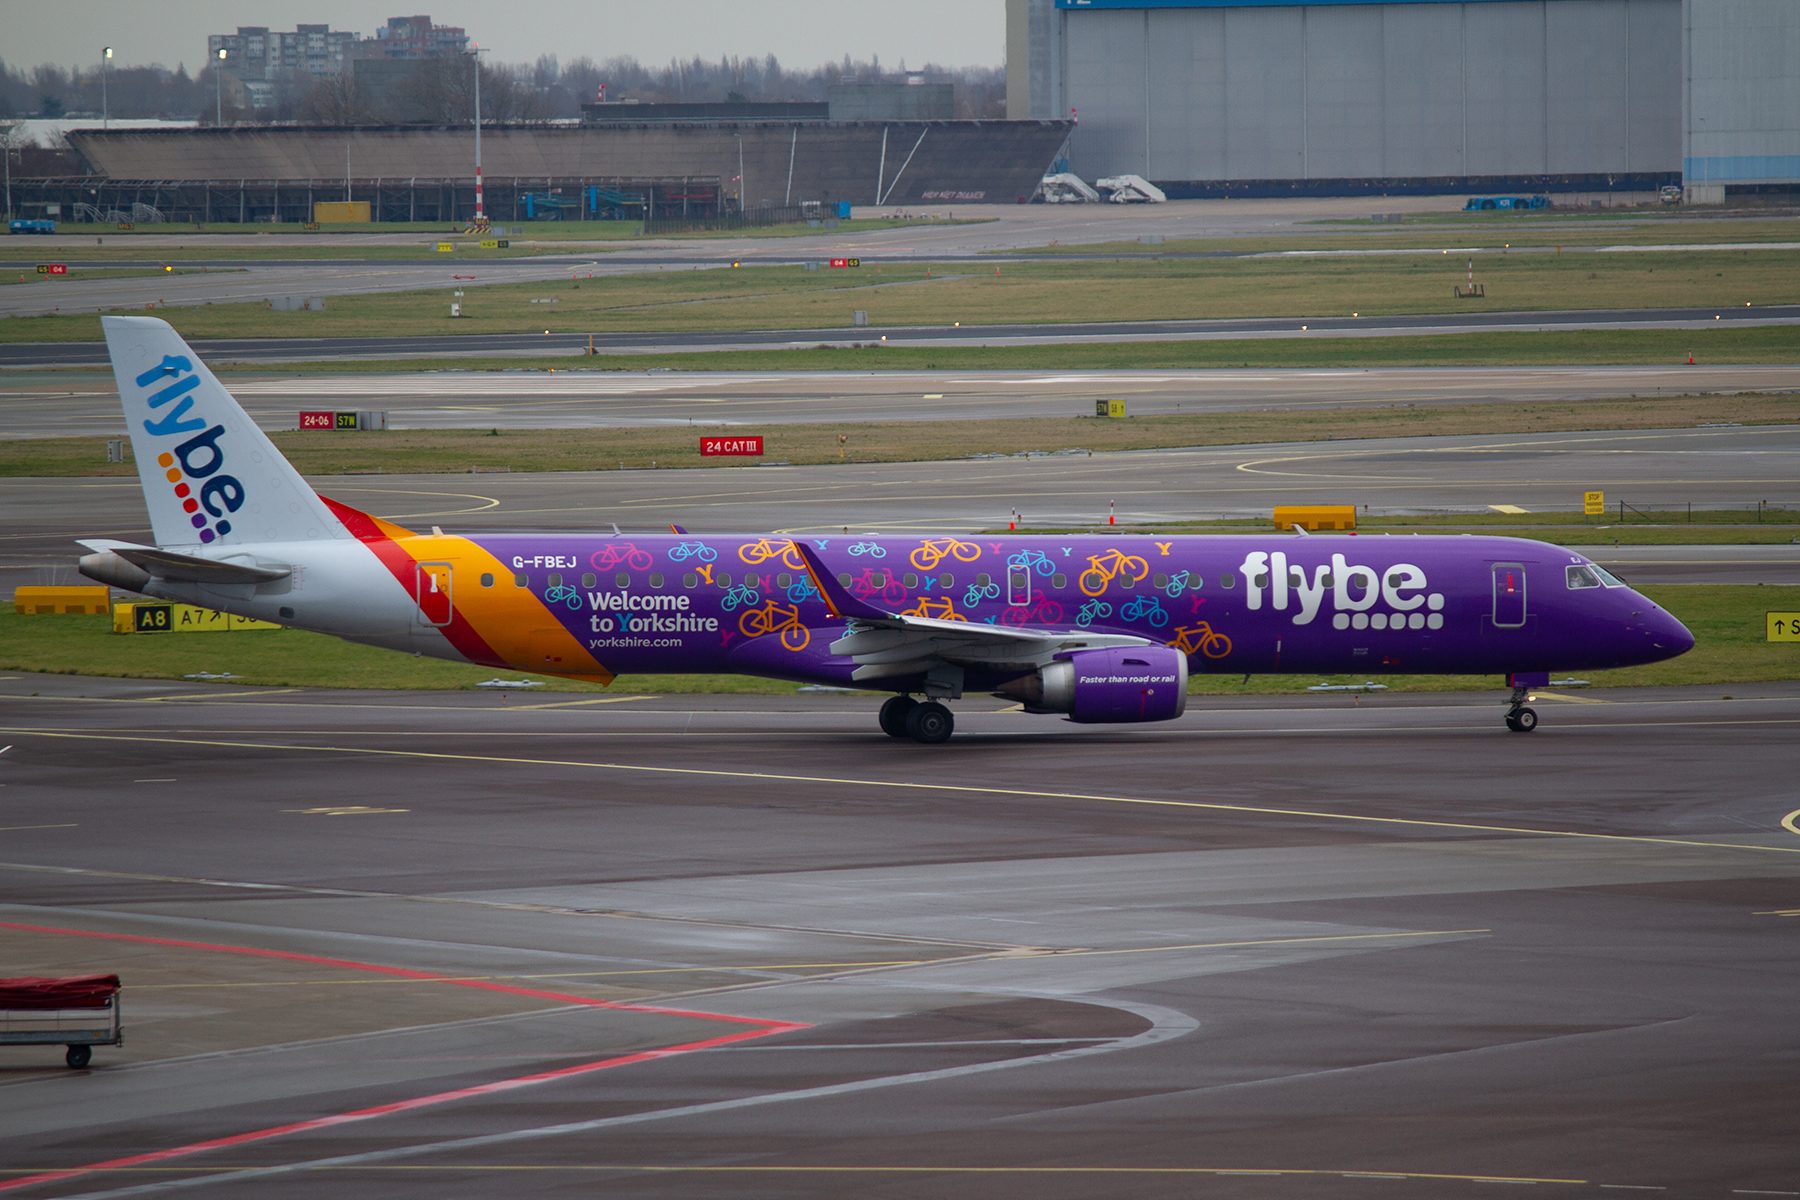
x=455 y=944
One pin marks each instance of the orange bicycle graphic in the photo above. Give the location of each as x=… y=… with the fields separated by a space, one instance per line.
x=942 y=610
x=1201 y=639
x=776 y=618
x=1103 y=568
x=762 y=550
x=931 y=553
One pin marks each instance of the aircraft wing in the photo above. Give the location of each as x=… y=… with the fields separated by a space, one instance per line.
x=884 y=644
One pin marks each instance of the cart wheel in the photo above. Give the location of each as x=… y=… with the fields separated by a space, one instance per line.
x=78 y=1056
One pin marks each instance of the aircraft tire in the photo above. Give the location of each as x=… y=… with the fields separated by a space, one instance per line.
x=893 y=715
x=930 y=724
x=1523 y=721
x=78 y=1056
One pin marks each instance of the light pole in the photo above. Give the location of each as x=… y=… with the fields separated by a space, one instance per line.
x=481 y=221
x=104 y=64
x=219 y=90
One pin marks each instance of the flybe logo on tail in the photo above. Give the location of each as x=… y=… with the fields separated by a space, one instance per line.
x=193 y=466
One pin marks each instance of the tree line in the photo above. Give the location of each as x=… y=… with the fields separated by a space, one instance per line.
x=441 y=91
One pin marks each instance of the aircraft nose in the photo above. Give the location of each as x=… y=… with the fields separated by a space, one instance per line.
x=1668 y=635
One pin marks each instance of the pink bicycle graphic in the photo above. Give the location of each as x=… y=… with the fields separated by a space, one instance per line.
x=1041 y=611
x=779 y=619
x=623 y=554
x=762 y=550
x=877 y=583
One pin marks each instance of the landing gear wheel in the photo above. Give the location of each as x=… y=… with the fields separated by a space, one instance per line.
x=893 y=715
x=78 y=1056
x=1522 y=720
x=930 y=724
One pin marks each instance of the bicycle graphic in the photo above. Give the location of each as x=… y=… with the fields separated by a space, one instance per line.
x=872 y=549
x=622 y=554
x=563 y=595
x=1033 y=560
x=979 y=592
x=877 y=583
x=1103 y=568
x=1201 y=638
x=740 y=596
x=1091 y=610
x=762 y=550
x=776 y=618
x=1041 y=611
x=1177 y=584
x=933 y=552
x=942 y=610
x=1145 y=608
x=803 y=590
x=687 y=550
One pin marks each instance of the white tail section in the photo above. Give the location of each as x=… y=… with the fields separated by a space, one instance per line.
x=210 y=476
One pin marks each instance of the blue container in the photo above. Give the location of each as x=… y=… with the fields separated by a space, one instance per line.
x=844 y=209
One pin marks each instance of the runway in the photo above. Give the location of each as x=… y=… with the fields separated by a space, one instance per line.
x=45 y=355
x=86 y=405
x=422 y=945
x=1723 y=467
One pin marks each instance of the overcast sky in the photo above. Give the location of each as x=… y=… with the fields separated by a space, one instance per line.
x=948 y=32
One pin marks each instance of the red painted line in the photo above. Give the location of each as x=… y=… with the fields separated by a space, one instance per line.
x=765 y=1029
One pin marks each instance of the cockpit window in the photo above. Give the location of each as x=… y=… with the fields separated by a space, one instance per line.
x=1582 y=577
x=1607 y=577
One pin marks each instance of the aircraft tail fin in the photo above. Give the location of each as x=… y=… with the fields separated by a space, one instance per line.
x=210 y=476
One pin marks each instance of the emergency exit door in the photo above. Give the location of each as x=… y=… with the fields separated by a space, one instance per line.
x=434 y=594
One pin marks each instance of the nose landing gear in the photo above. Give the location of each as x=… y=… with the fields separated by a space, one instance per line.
x=1519 y=718
x=929 y=723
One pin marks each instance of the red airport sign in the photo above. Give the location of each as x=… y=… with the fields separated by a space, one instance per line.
x=318 y=420
x=53 y=268
x=710 y=446
x=846 y=262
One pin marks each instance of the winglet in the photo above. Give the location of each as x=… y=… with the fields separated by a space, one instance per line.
x=841 y=603
x=678 y=531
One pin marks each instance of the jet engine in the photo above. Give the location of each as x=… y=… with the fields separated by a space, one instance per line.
x=1112 y=686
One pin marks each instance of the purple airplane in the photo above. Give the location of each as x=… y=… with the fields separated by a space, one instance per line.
x=1104 y=629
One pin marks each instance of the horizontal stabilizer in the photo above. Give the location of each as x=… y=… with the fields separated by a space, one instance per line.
x=186 y=568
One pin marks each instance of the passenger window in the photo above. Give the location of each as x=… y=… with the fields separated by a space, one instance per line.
x=588 y=580
x=749 y=578
x=1261 y=581
x=1325 y=580
x=1228 y=581
x=1194 y=582
x=656 y=580
x=1581 y=577
x=723 y=578
x=519 y=580
x=554 y=580
x=983 y=579
x=622 y=579
x=1059 y=580
x=1296 y=577
x=784 y=579
x=1162 y=581
x=487 y=581
x=690 y=580
x=947 y=580
x=912 y=581
x=844 y=578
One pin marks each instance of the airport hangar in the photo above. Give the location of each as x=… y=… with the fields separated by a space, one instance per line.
x=1211 y=98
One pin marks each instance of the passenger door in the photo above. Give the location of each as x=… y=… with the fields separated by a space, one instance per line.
x=1509 y=595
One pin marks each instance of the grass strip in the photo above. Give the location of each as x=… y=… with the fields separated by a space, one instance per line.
x=1491 y=231
x=1726 y=619
x=321 y=453
x=928 y=295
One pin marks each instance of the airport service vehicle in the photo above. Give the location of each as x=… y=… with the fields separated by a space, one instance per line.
x=1131 y=189
x=1515 y=202
x=32 y=227
x=1103 y=629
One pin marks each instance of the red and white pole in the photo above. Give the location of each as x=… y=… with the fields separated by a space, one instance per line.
x=1111 y=518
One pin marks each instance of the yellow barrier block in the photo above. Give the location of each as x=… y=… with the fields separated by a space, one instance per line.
x=161 y=616
x=1315 y=516
x=33 y=600
x=342 y=212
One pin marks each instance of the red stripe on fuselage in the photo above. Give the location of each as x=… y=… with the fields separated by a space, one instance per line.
x=405 y=569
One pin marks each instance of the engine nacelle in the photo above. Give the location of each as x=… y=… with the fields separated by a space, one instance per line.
x=1112 y=686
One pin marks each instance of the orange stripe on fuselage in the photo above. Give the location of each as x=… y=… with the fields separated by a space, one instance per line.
x=498 y=626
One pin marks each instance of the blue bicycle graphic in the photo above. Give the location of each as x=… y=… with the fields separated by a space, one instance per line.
x=872 y=549
x=1145 y=608
x=686 y=550
x=1033 y=560
x=1177 y=584
x=1091 y=610
x=563 y=595
x=748 y=597
x=802 y=590
x=977 y=593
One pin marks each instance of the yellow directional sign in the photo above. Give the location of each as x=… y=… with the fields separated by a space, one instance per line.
x=1593 y=504
x=444 y=247
x=1782 y=626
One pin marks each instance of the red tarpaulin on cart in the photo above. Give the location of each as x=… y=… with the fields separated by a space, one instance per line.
x=43 y=992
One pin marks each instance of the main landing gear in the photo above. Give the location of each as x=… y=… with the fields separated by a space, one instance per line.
x=929 y=723
x=1519 y=718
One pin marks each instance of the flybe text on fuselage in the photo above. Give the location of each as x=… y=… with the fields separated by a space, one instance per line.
x=1354 y=589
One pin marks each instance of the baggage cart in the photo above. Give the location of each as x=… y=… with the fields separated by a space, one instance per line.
x=79 y=1012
